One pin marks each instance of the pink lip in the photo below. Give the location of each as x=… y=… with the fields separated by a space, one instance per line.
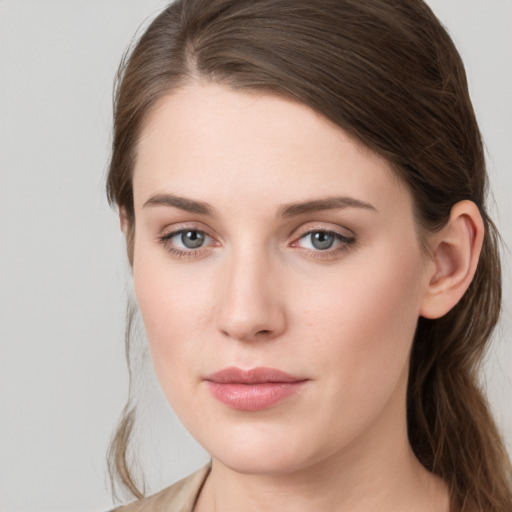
x=252 y=390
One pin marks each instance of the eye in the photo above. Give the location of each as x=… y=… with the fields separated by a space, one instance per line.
x=192 y=239
x=323 y=240
x=186 y=242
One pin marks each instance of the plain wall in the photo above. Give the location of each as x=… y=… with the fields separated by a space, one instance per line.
x=63 y=271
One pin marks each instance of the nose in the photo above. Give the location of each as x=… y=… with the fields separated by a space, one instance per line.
x=251 y=306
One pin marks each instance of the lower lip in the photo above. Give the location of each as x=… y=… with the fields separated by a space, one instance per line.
x=253 y=397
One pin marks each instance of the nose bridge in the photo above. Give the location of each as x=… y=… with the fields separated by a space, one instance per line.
x=250 y=306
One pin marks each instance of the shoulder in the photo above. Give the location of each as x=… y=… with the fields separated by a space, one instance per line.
x=181 y=496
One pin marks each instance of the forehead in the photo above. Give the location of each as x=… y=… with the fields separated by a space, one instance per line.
x=221 y=144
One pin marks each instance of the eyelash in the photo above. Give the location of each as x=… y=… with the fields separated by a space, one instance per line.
x=165 y=240
x=344 y=242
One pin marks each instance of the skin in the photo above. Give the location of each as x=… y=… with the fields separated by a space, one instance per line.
x=260 y=293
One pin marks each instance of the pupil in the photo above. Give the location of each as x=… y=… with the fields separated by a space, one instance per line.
x=322 y=241
x=192 y=239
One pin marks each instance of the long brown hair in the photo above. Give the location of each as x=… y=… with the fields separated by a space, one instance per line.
x=386 y=72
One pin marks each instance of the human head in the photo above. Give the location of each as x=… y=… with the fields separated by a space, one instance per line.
x=388 y=74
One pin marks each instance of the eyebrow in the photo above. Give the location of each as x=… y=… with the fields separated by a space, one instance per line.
x=284 y=211
x=327 y=203
x=183 y=203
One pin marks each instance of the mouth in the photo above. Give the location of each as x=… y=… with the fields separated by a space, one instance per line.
x=253 y=390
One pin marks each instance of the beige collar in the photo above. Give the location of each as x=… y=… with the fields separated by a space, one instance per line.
x=179 y=497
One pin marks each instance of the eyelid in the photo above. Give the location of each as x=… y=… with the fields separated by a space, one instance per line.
x=339 y=236
x=345 y=238
x=308 y=228
x=183 y=226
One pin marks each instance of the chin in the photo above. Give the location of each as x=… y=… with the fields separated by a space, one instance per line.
x=259 y=449
x=265 y=464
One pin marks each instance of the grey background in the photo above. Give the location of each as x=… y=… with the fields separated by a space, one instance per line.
x=63 y=272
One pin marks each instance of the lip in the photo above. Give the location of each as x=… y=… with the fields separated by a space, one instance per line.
x=252 y=390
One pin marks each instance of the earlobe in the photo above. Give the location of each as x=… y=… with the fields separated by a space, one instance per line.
x=455 y=253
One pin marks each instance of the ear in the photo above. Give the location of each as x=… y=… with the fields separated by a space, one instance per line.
x=455 y=251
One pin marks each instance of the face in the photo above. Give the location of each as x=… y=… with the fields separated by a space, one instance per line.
x=279 y=275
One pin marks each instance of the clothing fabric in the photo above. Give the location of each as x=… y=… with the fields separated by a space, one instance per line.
x=179 y=497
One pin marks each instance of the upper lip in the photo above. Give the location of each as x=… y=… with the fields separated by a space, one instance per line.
x=260 y=375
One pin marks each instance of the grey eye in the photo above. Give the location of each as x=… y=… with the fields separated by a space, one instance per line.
x=192 y=239
x=322 y=240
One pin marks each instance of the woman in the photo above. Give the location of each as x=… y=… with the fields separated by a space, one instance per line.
x=302 y=189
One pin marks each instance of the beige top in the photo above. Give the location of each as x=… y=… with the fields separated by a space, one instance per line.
x=179 y=497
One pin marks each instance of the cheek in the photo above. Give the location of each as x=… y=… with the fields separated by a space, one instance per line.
x=174 y=309
x=363 y=325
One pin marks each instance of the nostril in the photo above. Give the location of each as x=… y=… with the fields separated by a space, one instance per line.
x=246 y=320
